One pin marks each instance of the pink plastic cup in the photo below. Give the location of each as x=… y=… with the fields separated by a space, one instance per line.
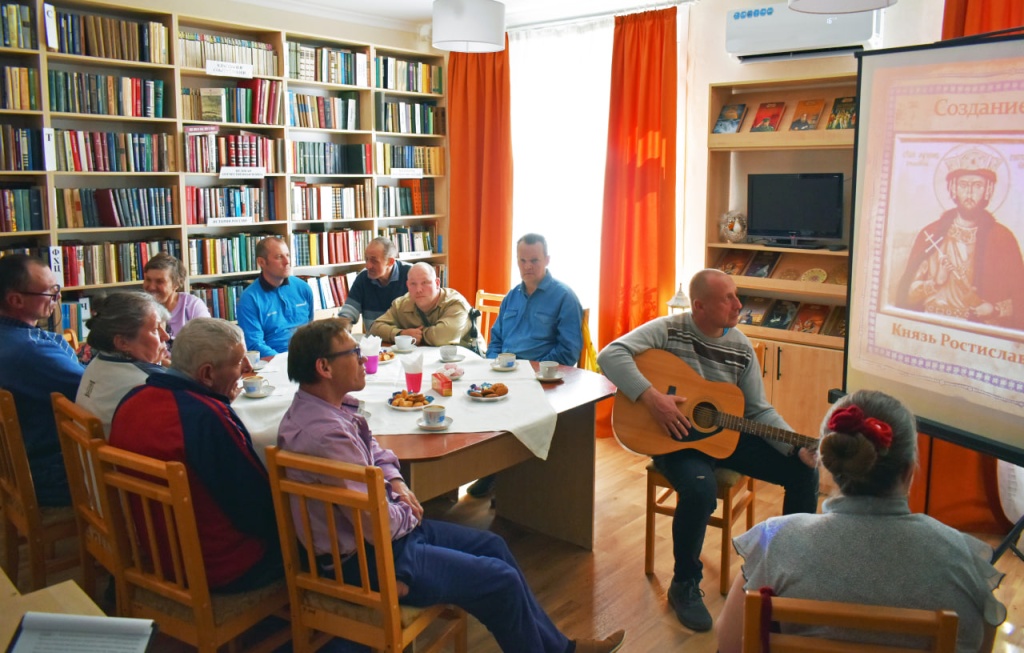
x=371 y=364
x=413 y=381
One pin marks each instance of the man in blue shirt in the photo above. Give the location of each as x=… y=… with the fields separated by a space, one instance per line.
x=34 y=363
x=376 y=287
x=271 y=308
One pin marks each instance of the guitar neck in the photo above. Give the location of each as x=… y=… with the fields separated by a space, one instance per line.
x=765 y=431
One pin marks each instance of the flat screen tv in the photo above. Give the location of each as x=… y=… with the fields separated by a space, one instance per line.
x=795 y=210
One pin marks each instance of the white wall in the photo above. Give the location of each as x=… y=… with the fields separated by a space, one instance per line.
x=909 y=22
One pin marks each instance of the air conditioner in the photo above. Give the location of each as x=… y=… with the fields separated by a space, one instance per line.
x=771 y=32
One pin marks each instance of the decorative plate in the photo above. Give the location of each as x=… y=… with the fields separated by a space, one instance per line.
x=789 y=274
x=814 y=275
x=732 y=227
x=838 y=275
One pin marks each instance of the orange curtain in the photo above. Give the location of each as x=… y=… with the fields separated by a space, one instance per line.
x=969 y=17
x=638 y=235
x=480 y=179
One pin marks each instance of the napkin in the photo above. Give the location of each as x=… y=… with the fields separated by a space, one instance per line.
x=370 y=346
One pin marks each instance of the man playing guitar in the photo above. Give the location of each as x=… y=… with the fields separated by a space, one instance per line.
x=705 y=339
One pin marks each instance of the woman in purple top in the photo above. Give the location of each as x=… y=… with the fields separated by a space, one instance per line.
x=163 y=278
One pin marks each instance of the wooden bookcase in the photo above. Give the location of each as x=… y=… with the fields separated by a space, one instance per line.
x=799 y=367
x=323 y=186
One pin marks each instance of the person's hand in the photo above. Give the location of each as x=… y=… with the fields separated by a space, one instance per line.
x=808 y=457
x=665 y=410
x=416 y=333
x=405 y=495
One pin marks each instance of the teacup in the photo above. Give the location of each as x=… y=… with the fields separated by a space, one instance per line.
x=253 y=357
x=449 y=352
x=548 y=369
x=254 y=384
x=433 y=415
x=506 y=360
x=404 y=342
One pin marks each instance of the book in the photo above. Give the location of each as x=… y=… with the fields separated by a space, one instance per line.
x=729 y=119
x=768 y=116
x=754 y=309
x=810 y=318
x=42 y=632
x=762 y=264
x=734 y=261
x=844 y=114
x=781 y=315
x=806 y=115
x=835 y=324
x=213 y=104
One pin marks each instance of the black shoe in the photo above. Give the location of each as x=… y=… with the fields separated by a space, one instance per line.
x=686 y=598
x=482 y=487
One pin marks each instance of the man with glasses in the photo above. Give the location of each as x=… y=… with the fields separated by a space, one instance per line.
x=375 y=288
x=435 y=562
x=186 y=416
x=33 y=364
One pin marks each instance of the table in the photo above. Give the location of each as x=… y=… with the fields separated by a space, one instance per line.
x=63 y=598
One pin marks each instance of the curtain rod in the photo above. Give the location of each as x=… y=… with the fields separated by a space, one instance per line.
x=614 y=12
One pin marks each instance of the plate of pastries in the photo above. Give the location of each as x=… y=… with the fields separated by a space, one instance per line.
x=405 y=400
x=488 y=392
x=385 y=356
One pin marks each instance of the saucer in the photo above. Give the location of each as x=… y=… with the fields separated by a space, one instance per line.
x=265 y=392
x=403 y=351
x=453 y=359
x=496 y=368
x=260 y=364
x=551 y=379
x=434 y=427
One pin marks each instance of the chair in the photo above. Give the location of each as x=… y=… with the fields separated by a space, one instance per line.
x=938 y=625
x=41 y=528
x=330 y=605
x=735 y=491
x=72 y=338
x=488 y=304
x=588 y=346
x=81 y=433
x=156 y=540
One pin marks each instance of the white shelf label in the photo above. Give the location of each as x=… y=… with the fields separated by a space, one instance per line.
x=406 y=173
x=226 y=222
x=243 y=172
x=49 y=149
x=57 y=263
x=50 y=18
x=228 y=69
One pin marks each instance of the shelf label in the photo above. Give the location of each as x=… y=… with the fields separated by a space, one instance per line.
x=49 y=149
x=243 y=172
x=406 y=173
x=57 y=263
x=228 y=69
x=50 y=18
x=227 y=222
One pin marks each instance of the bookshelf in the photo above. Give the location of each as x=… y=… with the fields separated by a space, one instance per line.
x=799 y=367
x=195 y=136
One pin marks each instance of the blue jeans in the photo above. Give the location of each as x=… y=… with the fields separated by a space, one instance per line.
x=692 y=474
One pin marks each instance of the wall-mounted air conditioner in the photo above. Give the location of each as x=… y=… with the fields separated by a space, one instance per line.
x=771 y=32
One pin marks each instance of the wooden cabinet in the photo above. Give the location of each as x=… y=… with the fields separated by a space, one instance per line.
x=797 y=379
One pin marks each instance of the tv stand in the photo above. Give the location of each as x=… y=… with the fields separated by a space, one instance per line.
x=797 y=245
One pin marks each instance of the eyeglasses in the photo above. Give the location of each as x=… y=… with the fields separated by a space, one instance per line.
x=334 y=355
x=54 y=295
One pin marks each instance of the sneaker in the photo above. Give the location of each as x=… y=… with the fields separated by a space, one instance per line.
x=686 y=598
x=609 y=644
x=482 y=487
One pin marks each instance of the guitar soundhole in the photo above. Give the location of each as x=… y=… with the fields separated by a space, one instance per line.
x=704 y=416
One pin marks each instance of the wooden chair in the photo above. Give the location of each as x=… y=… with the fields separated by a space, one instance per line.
x=156 y=540
x=81 y=433
x=588 y=345
x=488 y=304
x=327 y=604
x=41 y=528
x=72 y=338
x=937 y=625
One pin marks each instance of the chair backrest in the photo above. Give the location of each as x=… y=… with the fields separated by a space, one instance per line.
x=588 y=346
x=354 y=493
x=17 y=494
x=72 y=338
x=937 y=625
x=80 y=433
x=488 y=304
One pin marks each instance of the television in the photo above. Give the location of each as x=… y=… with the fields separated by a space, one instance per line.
x=795 y=210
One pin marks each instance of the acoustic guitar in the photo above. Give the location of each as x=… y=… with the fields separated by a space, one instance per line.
x=714 y=409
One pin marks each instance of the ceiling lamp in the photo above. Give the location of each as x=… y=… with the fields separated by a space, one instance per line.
x=832 y=6
x=469 y=25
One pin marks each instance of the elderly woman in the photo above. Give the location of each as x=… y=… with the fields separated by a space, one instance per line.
x=867 y=547
x=127 y=332
x=164 y=277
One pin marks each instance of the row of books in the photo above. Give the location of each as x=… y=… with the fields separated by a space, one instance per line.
x=405 y=117
x=330 y=291
x=197 y=48
x=89 y=264
x=328 y=65
x=331 y=201
x=253 y=101
x=111 y=38
x=79 y=208
x=108 y=95
x=252 y=202
x=223 y=255
x=221 y=298
x=20 y=90
x=398 y=201
x=764 y=264
x=313 y=158
x=95 y=151
x=20 y=148
x=19 y=30
x=410 y=240
x=207 y=150
x=319 y=112
x=806 y=116
x=73 y=315
x=794 y=316
x=330 y=248
x=21 y=209
x=415 y=76
x=428 y=158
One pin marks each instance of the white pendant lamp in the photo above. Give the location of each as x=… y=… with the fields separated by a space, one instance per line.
x=835 y=6
x=469 y=25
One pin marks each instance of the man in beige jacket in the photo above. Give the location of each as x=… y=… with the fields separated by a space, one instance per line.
x=432 y=315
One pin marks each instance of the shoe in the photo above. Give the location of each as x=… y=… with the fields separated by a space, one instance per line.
x=686 y=598
x=482 y=488
x=609 y=644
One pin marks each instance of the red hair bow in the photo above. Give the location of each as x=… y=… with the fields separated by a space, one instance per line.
x=852 y=420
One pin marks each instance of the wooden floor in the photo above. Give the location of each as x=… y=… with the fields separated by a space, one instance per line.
x=592 y=594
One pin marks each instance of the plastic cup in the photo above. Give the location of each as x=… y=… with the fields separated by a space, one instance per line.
x=413 y=381
x=371 y=364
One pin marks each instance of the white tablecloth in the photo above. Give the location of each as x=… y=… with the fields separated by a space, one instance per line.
x=526 y=413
